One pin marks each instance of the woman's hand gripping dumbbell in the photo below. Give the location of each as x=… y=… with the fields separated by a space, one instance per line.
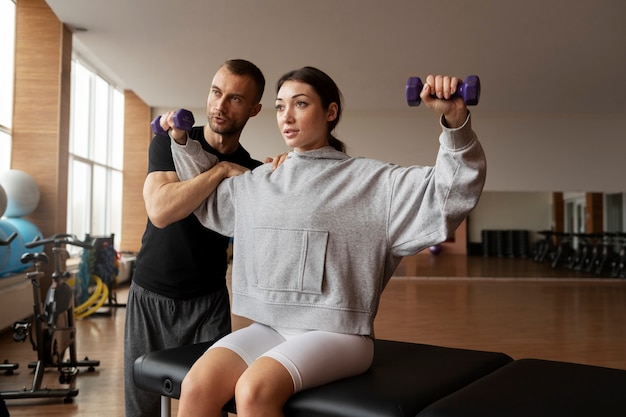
x=469 y=91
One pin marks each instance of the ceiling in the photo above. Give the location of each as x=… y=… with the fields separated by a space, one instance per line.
x=531 y=56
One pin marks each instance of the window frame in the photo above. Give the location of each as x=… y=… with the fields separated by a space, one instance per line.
x=7 y=47
x=85 y=214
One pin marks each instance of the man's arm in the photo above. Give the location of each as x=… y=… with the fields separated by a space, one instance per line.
x=169 y=200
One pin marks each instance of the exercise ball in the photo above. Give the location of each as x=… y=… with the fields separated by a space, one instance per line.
x=5 y=251
x=3 y=200
x=28 y=231
x=435 y=249
x=22 y=193
x=15 y=249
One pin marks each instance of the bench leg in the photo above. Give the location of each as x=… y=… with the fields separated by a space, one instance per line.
x=166 y=406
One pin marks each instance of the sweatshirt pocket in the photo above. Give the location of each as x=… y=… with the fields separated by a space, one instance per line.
x=290 y=260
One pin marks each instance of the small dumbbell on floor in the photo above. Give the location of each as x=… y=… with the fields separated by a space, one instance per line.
x=183 y=119
x=469 y=90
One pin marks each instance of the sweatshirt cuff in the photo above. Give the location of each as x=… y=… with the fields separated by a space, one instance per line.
x=190 y=159
x=191 y=147
x=458 y=137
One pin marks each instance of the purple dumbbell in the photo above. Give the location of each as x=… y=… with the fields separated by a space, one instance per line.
x=183 y=119
x=469 y=91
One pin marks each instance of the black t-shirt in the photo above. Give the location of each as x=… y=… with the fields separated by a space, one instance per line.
x=183 y=260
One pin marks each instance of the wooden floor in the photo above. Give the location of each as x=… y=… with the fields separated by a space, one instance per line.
x=510 y=305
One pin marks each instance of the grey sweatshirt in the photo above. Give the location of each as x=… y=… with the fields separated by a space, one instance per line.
x=317 y=240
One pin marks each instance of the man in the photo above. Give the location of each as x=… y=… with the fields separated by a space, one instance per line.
x=178 y=295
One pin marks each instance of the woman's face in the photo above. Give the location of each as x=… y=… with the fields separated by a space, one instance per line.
x=301 y=118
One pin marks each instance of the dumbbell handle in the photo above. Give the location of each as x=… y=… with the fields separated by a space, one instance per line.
x=469 y=90
x=183 y=119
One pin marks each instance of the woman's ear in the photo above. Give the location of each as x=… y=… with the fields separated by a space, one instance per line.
x=332 y=112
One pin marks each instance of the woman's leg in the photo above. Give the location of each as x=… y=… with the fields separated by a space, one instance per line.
x=263 y=389
x=315 y=358
x=210 y=383
x=303 y=361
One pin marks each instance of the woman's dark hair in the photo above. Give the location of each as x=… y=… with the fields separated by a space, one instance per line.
x=243 y=67
x=328 y=91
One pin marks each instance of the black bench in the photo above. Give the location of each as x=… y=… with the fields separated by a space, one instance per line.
x=538 y=388
x=404 y=379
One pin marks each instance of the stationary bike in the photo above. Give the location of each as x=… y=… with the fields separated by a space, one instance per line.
x=6 y=366
x=53 y=323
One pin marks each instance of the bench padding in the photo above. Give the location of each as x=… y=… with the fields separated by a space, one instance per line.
x=163 y=371
x=539 y=388
x=404 y=379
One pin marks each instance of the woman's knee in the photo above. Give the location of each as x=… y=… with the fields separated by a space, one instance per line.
x=251 y=396
x=265 y=385
x=208 y=379
x=194 y=383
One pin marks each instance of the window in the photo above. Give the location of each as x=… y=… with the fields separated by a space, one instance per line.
x=7 y=52
x=96 y=155
x=575 y=214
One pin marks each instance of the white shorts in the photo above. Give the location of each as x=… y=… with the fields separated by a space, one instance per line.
x=312 y=357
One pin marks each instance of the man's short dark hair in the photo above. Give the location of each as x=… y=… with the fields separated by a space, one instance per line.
x=243 y=67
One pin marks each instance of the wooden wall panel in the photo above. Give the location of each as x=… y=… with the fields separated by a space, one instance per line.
x=594 y=207
x=558 y=212
x=558 y=215
x=41 y=109
x=137 y=138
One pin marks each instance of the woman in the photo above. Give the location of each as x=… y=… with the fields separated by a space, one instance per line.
x=317 y=240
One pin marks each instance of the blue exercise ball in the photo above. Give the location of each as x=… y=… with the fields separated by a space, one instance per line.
x=5 y=251
x=28 y=231
x=15 y=249
x=3 y=200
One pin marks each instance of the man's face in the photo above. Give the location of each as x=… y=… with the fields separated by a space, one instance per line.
x=231 y=102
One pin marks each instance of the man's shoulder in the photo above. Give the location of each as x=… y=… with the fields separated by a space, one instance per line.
x=241 y=156
x=245 y=156
x=196 y=133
